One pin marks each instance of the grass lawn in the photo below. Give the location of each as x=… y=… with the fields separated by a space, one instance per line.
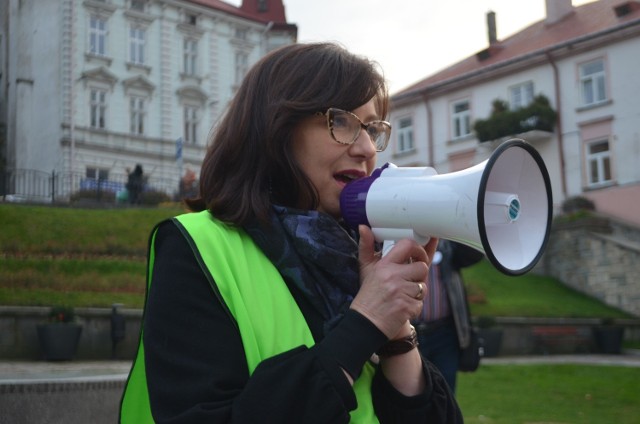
x=558 y=394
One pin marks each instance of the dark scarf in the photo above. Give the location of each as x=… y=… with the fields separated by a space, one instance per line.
x=311 y=250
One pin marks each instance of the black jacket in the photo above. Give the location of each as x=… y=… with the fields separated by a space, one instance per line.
x=197 y=371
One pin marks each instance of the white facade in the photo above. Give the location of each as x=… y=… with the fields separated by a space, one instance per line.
x=93 y=88
x=595 y=149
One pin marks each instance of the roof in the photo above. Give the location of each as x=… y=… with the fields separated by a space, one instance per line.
x=591 y=18
x=249 y=10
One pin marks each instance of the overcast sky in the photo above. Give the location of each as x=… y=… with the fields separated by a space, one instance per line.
x=411 y=39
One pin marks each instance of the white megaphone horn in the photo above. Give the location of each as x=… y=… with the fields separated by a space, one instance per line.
x=501 y=207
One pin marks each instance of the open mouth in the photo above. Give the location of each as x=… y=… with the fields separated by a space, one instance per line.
x=347 y=177
x=344 y=178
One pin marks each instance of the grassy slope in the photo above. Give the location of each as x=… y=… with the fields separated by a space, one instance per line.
x=79 y=257
x=100 y=259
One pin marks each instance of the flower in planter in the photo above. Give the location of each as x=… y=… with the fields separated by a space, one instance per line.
x=60 y=335
x=62 y=314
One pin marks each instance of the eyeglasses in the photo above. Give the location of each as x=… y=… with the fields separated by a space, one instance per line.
x=345 y=128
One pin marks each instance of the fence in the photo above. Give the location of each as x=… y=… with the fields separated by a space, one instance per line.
x=29 y=185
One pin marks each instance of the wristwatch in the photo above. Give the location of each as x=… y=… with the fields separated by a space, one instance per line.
x=399 y=346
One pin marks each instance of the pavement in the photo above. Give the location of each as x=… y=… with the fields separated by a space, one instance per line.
x=16 y=372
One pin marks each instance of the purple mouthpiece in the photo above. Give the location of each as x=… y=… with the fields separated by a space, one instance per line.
x=353 y=199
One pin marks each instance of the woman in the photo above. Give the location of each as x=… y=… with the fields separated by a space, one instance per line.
x=262 y=307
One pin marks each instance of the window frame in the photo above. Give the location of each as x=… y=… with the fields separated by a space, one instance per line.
x=137 y=114
x=191 y=121
x=241 y=66
x=98 y=108
x=98 y=35
x=525 y=93
x=97 y=174
x=460 y=119
x=603 y=162
x=190 y=56
x=594 y=84
x=403 y=133
x=137 y=45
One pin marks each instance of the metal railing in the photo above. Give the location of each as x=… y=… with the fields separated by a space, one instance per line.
x=29 y=185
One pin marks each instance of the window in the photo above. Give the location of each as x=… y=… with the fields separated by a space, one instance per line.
x=192 y=19
x=136 y=45
x=598 y=162
x=461 y=119
x=97 y=36
x=405 y=135
x=262 y=5
x=190 y=56
x=97 y=174
x=138 y=5
x=98 y=108
x=592 y=82
x=190 y=124
x=242 y=65
x=521 y=95
x=241 y=33
x=137 y=113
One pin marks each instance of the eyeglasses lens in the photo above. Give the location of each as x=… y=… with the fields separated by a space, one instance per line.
x=345 y=128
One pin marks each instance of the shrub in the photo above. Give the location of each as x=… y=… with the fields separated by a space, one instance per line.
x=504 y=122
x=577 y=204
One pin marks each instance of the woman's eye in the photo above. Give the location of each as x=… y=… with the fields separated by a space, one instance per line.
x=340 y=122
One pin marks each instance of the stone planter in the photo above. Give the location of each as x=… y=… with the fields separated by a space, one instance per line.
x=491 y=341
x=59 y=341
x=608 y=338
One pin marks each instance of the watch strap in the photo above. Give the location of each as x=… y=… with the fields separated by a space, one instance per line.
x=399 y=346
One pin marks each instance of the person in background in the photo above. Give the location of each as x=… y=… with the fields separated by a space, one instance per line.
x=135 y=183
x=188 y=184
x=443 y=326
x=261 y=306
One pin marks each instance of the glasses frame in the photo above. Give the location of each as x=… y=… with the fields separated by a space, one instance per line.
x=363 y=126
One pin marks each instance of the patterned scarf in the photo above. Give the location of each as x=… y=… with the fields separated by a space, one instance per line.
x=311 y=250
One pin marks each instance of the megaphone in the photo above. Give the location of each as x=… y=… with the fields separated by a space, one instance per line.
x=501 y=207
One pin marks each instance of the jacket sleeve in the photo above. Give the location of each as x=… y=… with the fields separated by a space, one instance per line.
x=196 y=367
x=436 y=405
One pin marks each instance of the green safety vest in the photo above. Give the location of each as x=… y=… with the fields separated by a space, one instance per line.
x=258 y=298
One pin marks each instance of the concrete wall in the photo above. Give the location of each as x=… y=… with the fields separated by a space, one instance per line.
x=597 y=256
x=19 y=340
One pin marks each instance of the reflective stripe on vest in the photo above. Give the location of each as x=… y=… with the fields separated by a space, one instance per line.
x=259 y=300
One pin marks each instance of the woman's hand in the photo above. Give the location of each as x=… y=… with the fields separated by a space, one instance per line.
x=392 y=287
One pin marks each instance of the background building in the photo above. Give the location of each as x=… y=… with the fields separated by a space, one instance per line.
x=90 y=88
x=567 y=84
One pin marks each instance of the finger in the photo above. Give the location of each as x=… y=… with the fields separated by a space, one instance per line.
x=366 y=246
x=406 y=250
x=431 y=247
x=420 y=293
x=415 y=272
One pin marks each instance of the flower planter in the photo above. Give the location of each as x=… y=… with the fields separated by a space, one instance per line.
x=59 y=341
x=491 y=341
x=608 y=339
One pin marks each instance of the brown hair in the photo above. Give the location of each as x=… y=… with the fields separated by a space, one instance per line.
x=249 y=164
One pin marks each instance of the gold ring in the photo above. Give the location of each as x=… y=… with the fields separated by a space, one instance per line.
x=418 y=295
